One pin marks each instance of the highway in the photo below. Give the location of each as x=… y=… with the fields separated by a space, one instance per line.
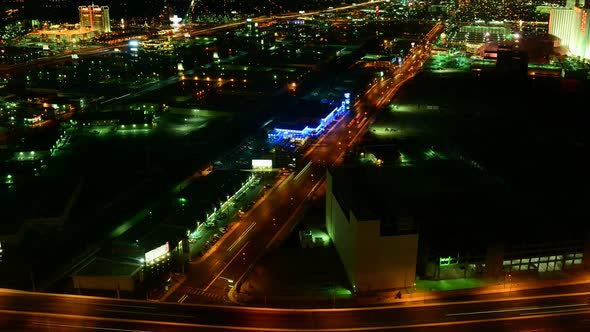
x=24 y=311
x=238 y=250
x=274 y=215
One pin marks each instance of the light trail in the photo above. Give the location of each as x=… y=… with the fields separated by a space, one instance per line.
x=515 y=309
x=226 y=266
x=143 y=313
x=241 y=237
x=302 y=171
x=86 y=327
x=270 y=329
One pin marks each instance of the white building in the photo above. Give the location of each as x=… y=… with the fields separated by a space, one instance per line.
x=571 y=25
x=374 y=256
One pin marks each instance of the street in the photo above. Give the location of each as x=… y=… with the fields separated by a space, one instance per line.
x=24 y=311
x=275 y=214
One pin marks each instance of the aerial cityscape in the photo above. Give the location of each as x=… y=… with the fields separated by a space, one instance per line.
x=303 y=165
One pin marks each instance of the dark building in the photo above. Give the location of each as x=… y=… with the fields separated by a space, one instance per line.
x=512 y=61
x=440 y=219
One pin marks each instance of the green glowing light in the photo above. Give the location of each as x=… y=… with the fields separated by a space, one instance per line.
x=339 y=291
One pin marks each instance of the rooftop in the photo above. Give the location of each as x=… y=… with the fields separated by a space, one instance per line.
x=110 y=267
x=43 y=198
x=435 y=197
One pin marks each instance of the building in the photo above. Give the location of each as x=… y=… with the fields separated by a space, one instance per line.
x=378 y=249
x=571 y=25
x=52 y=36
x=113 y=275
x=441 y=219
x=95 y=18
x=301 y=127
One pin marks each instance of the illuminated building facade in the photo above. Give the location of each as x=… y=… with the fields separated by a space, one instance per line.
x=95 y=18
x=571 y=25
x=300 y=134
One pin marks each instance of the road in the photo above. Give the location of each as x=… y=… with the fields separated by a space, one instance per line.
x=58 y=58
x=24 y=311
x=276 y=213
x=238 y=250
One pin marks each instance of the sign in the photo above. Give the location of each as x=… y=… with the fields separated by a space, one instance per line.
x=156 y=253
x=261 y=164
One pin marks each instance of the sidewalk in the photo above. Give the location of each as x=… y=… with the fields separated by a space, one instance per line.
x=430 y=290
x=425 y=291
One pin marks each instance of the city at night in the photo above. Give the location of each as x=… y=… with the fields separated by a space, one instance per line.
x=273 y=165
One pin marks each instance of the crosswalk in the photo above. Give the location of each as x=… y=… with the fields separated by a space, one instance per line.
x=197 y=295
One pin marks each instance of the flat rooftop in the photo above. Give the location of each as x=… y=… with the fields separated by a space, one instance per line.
x=373 y=192
x=38 y=199
x=110 y=267
x=437 y=199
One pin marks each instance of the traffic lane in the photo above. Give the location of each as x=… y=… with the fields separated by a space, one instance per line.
x=449 y=313
x=275 y=197
x=213 y=315
x=260 y=223
x=474 y=296
x=68 y=323
x=32 y=322
x=270 y=226
x=341 y=318
x=392 y=316
x=566 y=323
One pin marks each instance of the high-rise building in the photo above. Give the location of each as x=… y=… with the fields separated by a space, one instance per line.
x=571 y=25
x=95 y=18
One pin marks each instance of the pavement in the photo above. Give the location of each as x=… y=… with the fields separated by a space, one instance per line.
x=198 y=252
x=427 y=291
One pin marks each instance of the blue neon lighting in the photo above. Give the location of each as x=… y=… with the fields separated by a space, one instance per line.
x=281 y=133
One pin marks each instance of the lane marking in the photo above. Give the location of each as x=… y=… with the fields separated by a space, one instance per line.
x=516 y=309
x=228 y=264
x=182 y=298
x=143 y=313
x=270 y=329
x=557 y=311
x=241 y=237
x=115 y=305
x=493 y=311
x=87 y=327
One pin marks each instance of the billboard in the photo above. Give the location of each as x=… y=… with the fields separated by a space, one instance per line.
x=157 y=253
x=261 y=164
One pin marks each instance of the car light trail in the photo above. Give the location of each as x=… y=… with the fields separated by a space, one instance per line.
x=241 y=237
x=559 y=311
x=520 y=309
x=86 y=327
x=303 y=170
x=226 y=265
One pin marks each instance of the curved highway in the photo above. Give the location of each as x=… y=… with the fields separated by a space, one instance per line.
x=22 y=311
